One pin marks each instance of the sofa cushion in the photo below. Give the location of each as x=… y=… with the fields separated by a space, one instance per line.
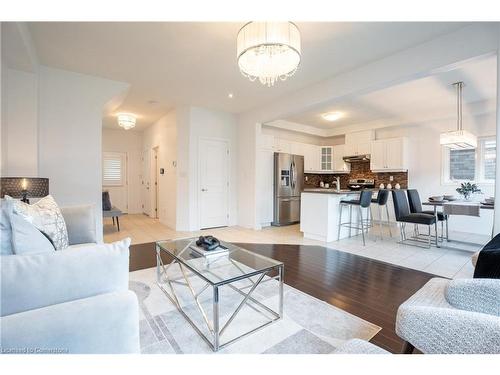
x=5 y=228
x=38 y=280
x=47 y=217
x=80 y=223
x=26 y=239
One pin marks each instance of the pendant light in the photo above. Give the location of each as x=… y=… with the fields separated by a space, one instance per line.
x=459 y=139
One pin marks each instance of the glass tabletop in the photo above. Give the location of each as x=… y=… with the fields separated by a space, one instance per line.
x=237 y=264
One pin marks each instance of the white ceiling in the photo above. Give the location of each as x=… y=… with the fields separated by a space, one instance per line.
x=414 y=100
x=188 y=63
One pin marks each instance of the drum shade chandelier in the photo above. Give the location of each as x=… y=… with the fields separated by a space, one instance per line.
x=268 y=51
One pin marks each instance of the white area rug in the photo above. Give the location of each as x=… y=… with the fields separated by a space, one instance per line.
x=309 y=326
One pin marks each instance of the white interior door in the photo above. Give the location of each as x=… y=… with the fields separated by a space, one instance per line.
x=213 y=195
x=114 y=167
x=146 y=182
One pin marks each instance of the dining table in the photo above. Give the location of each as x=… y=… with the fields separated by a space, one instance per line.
x=441 y=203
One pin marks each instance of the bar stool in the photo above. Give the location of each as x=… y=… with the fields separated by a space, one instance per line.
x=381 y=201
x=416 y=207
x=364 y=201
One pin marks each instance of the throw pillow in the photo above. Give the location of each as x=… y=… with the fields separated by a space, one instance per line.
x=5 y=228
x=46 y=216
x=488 y=261
x=26 y=239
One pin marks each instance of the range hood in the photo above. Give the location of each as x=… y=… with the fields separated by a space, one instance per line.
x=459 y=139
x=355 y=158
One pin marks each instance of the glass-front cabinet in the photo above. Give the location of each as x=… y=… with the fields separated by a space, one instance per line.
x=326 y=158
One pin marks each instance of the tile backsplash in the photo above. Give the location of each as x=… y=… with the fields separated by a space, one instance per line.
x=358 y=170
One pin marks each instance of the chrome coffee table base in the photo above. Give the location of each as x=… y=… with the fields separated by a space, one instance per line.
x=215 y=330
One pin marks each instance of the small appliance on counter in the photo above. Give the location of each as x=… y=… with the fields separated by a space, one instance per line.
x=361 y=183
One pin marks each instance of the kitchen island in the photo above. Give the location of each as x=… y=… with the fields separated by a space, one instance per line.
x=319 y=213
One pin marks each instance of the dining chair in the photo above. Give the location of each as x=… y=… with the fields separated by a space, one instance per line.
x=416 y=207
x=404 y=216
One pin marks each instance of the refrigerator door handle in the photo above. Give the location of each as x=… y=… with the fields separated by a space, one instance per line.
x=294 y=179
x=292 y=172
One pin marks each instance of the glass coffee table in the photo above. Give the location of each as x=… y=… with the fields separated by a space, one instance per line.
x=239 y=269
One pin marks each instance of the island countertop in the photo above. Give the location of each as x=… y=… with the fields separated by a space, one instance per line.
x=329 y=191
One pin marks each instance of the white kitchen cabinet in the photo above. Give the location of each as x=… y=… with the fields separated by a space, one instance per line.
x=389 y=155
x=282 y=145
x=339 y=165
x=353 y=149
x=326 y=159
x=311 y=158
x=297 y=148
x=267 y=142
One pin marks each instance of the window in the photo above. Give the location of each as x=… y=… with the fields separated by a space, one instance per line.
x=488 y=159
x=113 y=166
x=471 y=165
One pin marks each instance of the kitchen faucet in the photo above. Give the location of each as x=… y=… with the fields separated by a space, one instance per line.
x=337 y=182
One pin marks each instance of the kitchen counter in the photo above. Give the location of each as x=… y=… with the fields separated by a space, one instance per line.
x=319 y=213
x=329 y=191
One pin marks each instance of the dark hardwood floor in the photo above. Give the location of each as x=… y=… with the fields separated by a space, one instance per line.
x=367 y=288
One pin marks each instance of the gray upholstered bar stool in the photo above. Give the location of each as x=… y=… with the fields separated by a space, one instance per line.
x=381 y=201
x=364 y=201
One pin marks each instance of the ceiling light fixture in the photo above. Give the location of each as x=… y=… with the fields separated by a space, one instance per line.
x=459 y=139
x=127 y=120
x=268 y=51
x=331 y=116
x=230 y=95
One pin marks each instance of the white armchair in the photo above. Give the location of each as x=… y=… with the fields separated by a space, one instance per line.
x=452 y=317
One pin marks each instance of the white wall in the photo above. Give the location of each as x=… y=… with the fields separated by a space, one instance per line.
x=194 y=123
x=131 y=143
x=425 y=164
x=20 y=147
x=70 y=128
x=163 y=134
x=207 y=123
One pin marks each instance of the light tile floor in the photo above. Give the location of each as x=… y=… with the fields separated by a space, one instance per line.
x=451 y=260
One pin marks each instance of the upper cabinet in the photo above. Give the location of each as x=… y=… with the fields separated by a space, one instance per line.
x=282 y=145
x=326 y=159
x=311 y=158
x=358 y=143
x=389 y=155
x=339 y=165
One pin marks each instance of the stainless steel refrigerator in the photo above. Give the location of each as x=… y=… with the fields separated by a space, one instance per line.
x=288 y=184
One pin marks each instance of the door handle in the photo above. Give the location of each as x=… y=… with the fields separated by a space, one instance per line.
x=204 y=189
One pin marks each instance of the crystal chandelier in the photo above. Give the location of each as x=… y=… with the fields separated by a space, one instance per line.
x=126 y=120
x=268 y=51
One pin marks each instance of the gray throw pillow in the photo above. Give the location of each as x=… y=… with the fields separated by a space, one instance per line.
x=46 y=216
x=26 y=239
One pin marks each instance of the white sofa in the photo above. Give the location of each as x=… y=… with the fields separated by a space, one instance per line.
x=70 y=301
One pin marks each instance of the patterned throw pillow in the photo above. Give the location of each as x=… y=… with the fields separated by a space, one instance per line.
x=46 y=216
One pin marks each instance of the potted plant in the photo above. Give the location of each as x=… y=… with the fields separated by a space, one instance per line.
x=467 y=189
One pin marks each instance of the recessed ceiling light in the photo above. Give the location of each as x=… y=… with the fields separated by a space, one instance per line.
x=332 y=116
x=230 y=95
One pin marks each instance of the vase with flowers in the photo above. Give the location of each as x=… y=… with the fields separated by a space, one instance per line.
x=466 y=189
